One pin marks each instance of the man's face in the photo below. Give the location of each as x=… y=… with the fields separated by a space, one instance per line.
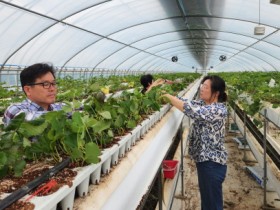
x=39 y=93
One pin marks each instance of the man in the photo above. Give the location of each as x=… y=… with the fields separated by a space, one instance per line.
x=39 y=85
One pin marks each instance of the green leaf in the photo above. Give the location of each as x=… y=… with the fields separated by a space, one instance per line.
x=121 y=110
x=134 y=107
x=106 y=115
x=119 y=121
x=64 y=93
x=147 y=102
x=3 y=159
x=41 y=147
x=51 y=116
x=7 y=136
x=91 y=153
x=70 y=140
x=76 y=154
x=16 y=122
x=37 y=121
x=88 y=121
x=77 y=123
x=27 y=129
x=112 y=111
x=81 y=142
x=67 y=108
x=110 y=133
x=26 y=142
x=4 y=171
x=94 y=87
x=100 y=126
x=51 y=134
x=131 y=124
x=18 y=167
x=76 y=104
x=16 y=138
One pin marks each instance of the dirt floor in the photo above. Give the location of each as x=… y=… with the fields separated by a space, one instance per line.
x=240 y=189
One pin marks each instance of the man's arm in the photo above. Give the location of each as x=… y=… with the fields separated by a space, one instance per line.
x=11 y=112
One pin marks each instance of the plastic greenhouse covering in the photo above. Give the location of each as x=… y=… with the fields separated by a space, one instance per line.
x=94 y=36
x=93 y=135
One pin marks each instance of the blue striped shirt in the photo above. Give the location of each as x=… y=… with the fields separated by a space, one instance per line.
x=31 y=110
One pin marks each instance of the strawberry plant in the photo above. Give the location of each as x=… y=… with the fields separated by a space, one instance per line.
x=80 y=129
x=52 y=135
x=14 y=141
x=257 y=89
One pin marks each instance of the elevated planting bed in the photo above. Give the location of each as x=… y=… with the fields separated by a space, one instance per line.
x=124 y=190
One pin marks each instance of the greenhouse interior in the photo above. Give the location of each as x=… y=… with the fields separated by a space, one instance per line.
x=123 y=104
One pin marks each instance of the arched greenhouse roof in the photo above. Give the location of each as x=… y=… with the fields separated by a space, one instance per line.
x=141 y=35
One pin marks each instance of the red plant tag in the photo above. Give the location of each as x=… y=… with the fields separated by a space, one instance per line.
x=44 y=189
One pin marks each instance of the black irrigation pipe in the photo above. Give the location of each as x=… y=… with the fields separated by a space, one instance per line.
x=13 y=197
x=273 y=154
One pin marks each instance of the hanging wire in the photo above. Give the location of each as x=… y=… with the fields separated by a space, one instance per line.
x=259 y=12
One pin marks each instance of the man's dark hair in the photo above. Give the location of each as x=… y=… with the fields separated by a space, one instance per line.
x=146 y=80
x=31 y=73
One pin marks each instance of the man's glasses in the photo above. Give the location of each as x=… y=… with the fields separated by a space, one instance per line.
x=45 y=85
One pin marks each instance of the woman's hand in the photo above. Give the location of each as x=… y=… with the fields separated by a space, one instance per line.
x=155 y=83
x=158 y=82
x=174 y=101
x=165 y=95
x=168 y=82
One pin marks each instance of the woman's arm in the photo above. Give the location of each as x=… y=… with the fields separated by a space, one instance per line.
x=179 y=104
x=170 y=82
x=195 y=110
x=155 y=83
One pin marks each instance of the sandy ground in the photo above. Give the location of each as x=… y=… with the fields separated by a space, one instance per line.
x=240 y=190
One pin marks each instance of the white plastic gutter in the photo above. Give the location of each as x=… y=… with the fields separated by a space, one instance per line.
x=131 y=190
x=272 y=115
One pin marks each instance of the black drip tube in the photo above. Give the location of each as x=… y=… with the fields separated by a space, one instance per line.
x=31 y=185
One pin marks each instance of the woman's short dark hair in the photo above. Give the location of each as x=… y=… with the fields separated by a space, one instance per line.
x=146 y=80
x=31 y=73
x=217 y=85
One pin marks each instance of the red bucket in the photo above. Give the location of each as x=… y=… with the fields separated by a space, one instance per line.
x=169 y=168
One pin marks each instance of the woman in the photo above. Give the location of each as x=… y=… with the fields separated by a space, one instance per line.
x=148 y=83
x=206 y=146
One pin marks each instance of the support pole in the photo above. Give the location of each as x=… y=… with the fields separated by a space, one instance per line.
x=264 y=160
x=228 y=124
x=245 y=137
x=160 y=187
x=245 y=158
x=234 y=113
x=182 y=158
